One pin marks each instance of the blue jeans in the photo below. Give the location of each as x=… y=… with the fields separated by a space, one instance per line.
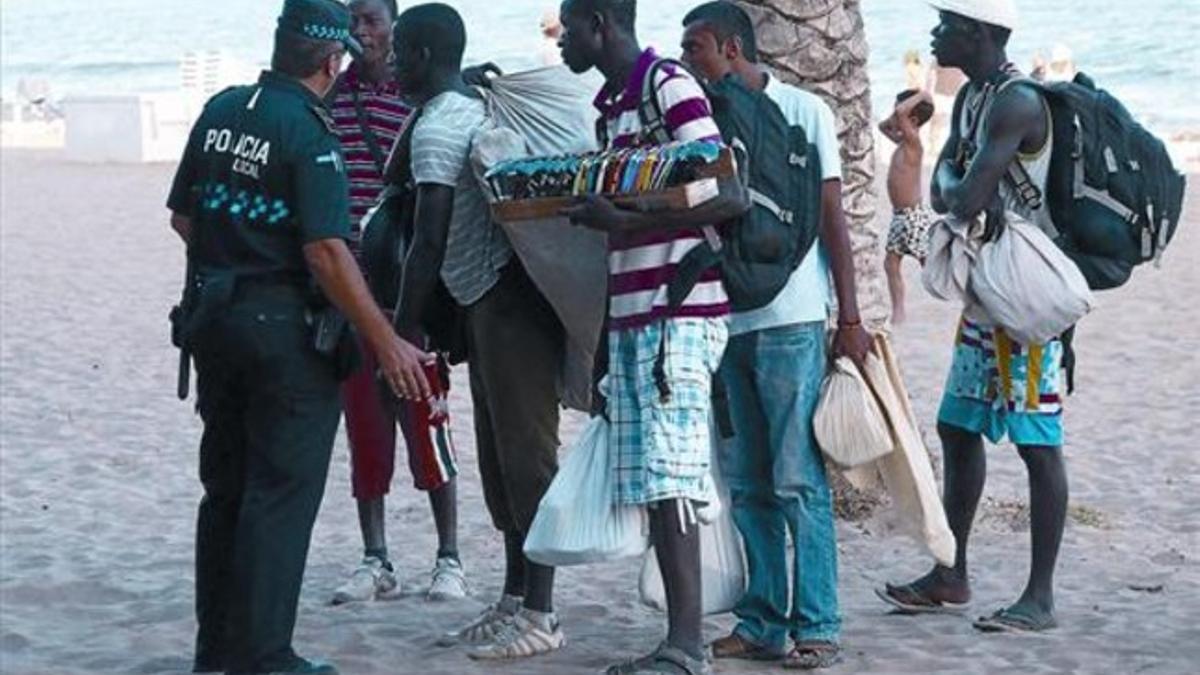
x=777 y=485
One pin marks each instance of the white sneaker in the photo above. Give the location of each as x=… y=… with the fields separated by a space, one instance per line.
x=449 y=581
x=528 y=634
x=370 y=581
x=486 y=626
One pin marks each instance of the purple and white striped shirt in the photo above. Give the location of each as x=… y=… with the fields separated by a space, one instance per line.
x=640 y=265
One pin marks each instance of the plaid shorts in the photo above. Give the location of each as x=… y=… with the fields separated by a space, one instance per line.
x=661 y=447
x=909 y=232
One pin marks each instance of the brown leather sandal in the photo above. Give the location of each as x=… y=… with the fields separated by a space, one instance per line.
x=735 y=646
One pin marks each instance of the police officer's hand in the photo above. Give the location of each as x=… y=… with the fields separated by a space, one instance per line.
x=402 y=366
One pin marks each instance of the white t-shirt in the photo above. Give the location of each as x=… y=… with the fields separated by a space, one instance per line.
x=808 y=293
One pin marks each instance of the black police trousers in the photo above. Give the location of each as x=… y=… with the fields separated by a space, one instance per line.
x=270 y=406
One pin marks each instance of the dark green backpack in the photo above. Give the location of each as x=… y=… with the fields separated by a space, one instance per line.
x=782 y=171
x=1113 y=193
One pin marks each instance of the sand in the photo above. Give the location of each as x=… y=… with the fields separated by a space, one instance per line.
x=98 y=481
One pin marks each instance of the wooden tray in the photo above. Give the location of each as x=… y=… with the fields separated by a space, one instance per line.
x=679 y=198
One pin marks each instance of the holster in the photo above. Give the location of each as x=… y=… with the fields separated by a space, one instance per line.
x=334 y=338
x=204 y=297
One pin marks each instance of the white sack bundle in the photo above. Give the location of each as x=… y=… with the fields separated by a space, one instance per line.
x=1027 y=285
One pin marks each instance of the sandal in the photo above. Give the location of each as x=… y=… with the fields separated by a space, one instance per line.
x=734 y=646
x=1008 y=620
x=908 y=600
x=666 y=660
x=813 y=654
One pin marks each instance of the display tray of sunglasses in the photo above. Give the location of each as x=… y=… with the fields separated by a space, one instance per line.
x=679 y=198
x=703 y=184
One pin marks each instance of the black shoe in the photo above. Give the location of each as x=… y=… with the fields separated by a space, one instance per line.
x=208 y=667
x=306 y=667
x=299 y=667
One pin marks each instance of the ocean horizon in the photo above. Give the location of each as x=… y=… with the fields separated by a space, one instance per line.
x=1147 y=57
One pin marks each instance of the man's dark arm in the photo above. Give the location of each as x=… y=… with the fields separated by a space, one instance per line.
x=423 y=264
x=600 y=213
x=1015 y=116
x=948 y=155
x=851 y=339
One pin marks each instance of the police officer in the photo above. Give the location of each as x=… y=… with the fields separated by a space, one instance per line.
x=260 y=199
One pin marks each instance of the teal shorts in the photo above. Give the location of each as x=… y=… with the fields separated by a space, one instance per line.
x=998 y=387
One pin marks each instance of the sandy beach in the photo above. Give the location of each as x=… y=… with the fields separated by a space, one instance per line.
x=98 y=482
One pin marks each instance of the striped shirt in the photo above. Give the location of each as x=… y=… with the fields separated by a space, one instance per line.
x=385 y=114
x=642 y=264
x=476 y=248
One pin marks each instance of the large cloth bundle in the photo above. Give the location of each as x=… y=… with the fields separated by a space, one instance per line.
x=549 y=112
x=849 y=426
x=1028 y=285
x=953 y=247
x=906 y=472
x=578 y=520
x=1020 y=281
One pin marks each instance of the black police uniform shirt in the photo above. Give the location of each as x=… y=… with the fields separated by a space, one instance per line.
x=261 y=176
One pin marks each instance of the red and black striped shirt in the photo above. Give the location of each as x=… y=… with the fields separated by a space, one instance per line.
x=385 y=113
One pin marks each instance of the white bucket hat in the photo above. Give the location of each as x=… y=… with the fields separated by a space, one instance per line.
x=1001 y=13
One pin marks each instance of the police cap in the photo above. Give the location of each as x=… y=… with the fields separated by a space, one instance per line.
x=320 y=20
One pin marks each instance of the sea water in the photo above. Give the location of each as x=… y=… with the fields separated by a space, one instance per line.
x=1146 y=52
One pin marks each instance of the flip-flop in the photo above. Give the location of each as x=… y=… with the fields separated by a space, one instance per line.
x=925 y=606
x=1007 y=621
x=666 y=660
x=813 y=655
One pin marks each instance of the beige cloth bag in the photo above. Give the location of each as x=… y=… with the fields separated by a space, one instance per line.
x=541 y=112
x=850 y=428
x=906 y=473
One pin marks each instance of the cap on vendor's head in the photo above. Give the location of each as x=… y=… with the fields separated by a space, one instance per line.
x=319 y=20
x=1002 y=13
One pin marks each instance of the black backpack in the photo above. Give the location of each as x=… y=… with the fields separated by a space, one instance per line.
x=386 y=236
x=387 y=227
x=1113 y=193
x=758 y=253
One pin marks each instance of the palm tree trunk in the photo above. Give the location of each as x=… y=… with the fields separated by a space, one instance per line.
x=821 y=45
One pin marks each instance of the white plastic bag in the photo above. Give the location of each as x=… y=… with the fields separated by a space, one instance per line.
x=1027 y=285
x=578 y=520
x=722 y=569
x=849 y=426
x=722 y=564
